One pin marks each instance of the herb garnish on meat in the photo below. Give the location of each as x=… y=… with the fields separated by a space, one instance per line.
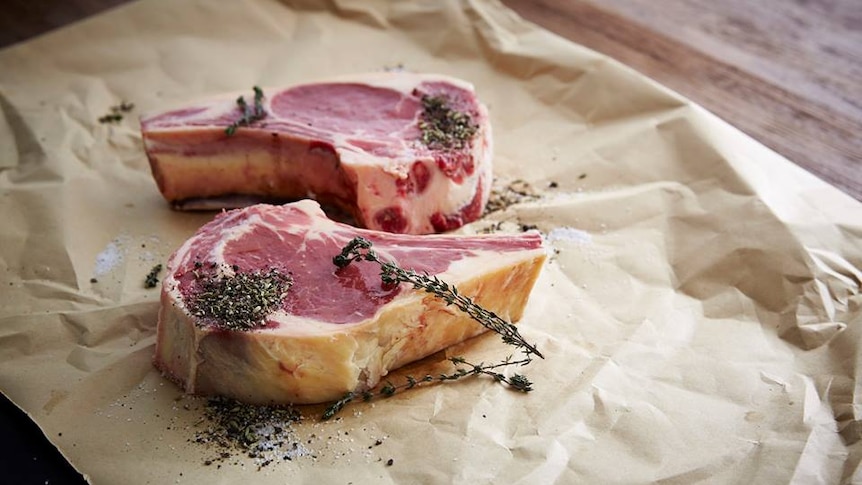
x=238 y=301
x=359 y=249
x=249 y=114
x=442 y=127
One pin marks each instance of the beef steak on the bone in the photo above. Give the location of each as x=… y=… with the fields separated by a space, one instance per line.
x=336 y=330
x=355 y=142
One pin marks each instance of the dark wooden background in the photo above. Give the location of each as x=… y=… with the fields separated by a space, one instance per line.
x=787 y=72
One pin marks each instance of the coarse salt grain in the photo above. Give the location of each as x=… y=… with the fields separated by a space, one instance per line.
x=109 y=258
x=569 y=234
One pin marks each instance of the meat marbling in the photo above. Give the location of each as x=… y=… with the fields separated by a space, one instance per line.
x=354 y=142
x=336 y=330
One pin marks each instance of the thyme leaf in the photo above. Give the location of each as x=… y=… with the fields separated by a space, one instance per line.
x=115 y=116
x=153 y=277
x=249 y=114
x=360 y=249
x=111 y=118
x=337 y=406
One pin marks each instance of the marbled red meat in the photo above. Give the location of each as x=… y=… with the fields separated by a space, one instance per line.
x=337 y=329
x=355 y=143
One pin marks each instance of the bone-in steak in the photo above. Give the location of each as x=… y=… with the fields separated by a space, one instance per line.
x=401 y=152
x=331 y=330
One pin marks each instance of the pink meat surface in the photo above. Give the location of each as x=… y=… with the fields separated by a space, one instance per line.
x=355 y=143
x=297 y=239
x=333 y=330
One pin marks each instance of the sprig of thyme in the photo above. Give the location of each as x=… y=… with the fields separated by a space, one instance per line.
x=442 y=127
x=359 y=249
x=518 y=382
x=249 y=115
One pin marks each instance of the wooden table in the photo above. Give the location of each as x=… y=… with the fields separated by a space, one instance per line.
x=788 y=73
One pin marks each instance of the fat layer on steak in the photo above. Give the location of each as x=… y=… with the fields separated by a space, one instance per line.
x=336 y=330
x=353 y=142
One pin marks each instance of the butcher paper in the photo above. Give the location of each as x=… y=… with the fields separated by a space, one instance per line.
x=700 y=313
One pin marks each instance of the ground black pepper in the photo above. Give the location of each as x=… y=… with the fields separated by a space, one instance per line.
x=238 y=301
x=263 y=433
x=444 y=128
x=514 y=192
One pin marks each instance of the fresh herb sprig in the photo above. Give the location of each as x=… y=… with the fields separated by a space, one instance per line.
x=518 y=382
x=359 y=249
x=249 y=114
x=442 y=127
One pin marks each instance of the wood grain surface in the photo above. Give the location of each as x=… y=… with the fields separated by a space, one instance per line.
x=786 y=72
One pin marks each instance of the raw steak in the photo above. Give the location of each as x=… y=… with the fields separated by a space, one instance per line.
x=367 y=144
x=334 y=330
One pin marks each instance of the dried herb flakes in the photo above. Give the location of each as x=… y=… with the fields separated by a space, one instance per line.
x=443 y=127
x=231 y=429
x=238 y=300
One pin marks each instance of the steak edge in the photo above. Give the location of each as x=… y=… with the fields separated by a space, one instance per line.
x=353 y=142
x=336 y=330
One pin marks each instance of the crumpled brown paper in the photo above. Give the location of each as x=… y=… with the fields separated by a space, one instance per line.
x=701 y=316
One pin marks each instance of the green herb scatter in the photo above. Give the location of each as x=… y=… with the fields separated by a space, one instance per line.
x=232 y=428
x=111 y=118
x=152 y=277
x=249 y=114
x=115 y=116
x=359 y=249
x=239 y=301
x=442 y=127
